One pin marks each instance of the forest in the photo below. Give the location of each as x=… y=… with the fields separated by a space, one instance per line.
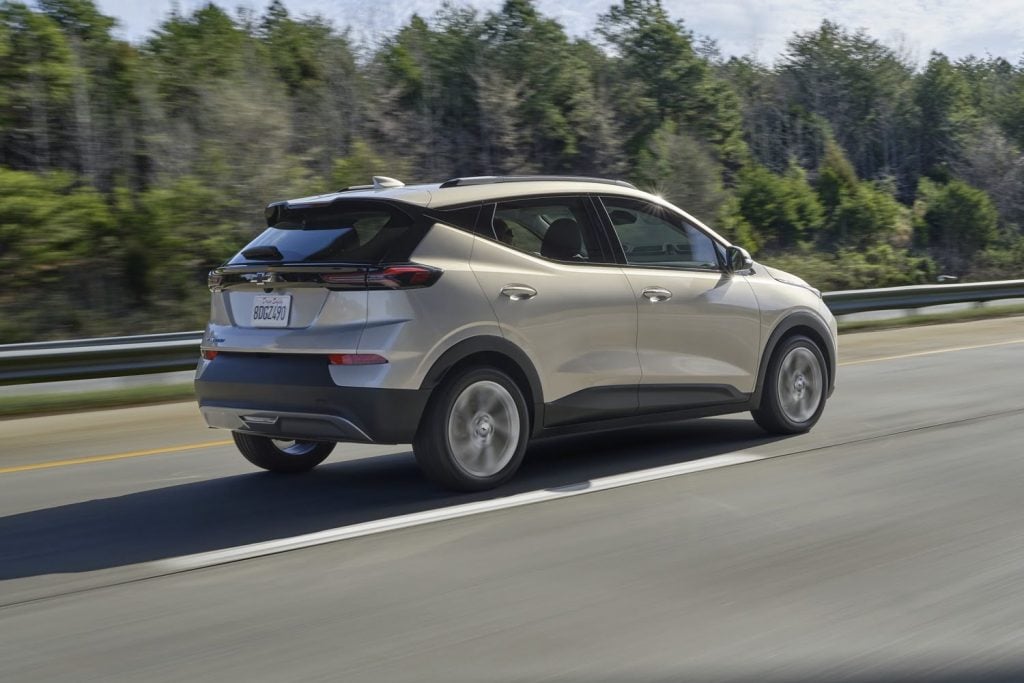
x=128 y=170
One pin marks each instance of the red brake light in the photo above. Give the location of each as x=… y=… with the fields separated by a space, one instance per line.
x=356 y=359
x=208 y=354
x=353 y=279
x=402 y=277
x=409 y=276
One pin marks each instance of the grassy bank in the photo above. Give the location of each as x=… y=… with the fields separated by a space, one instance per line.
x=43 y=404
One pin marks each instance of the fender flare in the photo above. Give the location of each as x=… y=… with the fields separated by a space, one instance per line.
x=795 y=321
x=495 y=345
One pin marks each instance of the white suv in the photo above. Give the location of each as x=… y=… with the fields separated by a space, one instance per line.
x=471 y=316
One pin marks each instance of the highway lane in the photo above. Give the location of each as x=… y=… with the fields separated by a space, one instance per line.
x=887 y=541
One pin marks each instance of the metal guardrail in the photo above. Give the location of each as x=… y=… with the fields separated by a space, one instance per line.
x=152 y=353
x=103 y=357
x=919 y=296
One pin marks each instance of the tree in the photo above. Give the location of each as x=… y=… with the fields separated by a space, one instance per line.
x=207 y=42
x=859 y=86
x=865 y=215
x=37 y=77
x=991 y=162
x=776 y=131
x=945 y=115
x=959 y=221
x=835 y=176
x=783 y=210
x=557 y=100
x=317 y=67
x=127 y=170
x=426 y=108
x=57 y=240
x=661 y=77
x=359 y=167
x=677 y=167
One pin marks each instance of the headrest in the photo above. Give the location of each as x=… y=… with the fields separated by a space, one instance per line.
x=562 y=241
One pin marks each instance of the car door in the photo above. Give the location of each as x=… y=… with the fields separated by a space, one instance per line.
x=545 y=266
x=698 y=327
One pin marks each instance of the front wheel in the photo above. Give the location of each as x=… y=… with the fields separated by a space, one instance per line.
x=794 y=388
x=277 y=455
x=474 y=432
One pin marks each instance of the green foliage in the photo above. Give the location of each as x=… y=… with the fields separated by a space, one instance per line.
x=958 y=221
x=998 y=263
x=836 y=176
x=36 y=78
x=555 y=82
x=945 y=114
x=857 y=214
x=682 y=170
x=56 y=237
x=659 y=76
x=865 y=215
x=294 y=48
x=878 y=266
x=360 y=165
x=857 y=84
x=782 y=209
x=128 y=170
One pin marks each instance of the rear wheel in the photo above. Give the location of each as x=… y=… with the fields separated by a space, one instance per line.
x=281 y=455
x=794 y=388
x=474 y=432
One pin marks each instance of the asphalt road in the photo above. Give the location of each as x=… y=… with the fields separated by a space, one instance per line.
x=887 y=544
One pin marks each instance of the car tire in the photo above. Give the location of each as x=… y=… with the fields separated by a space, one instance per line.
x=795 y=387
x=474 y=431
x=284 y=456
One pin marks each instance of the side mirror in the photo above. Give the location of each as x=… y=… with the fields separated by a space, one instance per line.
x=738 y=258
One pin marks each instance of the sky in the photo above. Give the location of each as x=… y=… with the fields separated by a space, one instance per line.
x=741 y=27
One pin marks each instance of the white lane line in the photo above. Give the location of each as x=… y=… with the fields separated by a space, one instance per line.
x=244 y=552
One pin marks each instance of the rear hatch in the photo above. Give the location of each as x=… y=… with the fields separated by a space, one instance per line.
x=311 y=270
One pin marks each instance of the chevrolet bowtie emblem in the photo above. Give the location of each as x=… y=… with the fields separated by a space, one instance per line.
x=262 y=278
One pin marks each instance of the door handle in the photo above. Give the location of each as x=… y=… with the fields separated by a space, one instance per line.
x=656 y=294
x=518 y=292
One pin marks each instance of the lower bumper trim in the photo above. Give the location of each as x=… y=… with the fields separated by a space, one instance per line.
x=284 y=425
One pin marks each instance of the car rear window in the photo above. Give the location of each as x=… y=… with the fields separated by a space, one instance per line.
x=343 y=231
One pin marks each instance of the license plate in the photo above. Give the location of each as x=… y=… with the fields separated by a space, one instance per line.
x=271 y=310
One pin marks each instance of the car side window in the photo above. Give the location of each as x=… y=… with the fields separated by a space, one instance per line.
x=557 y=228
x=652 y=235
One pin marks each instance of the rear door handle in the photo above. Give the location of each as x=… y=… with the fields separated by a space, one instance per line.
x=656 y=294
x=518 y=292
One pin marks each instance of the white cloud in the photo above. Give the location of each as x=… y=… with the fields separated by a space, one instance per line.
x=759 y=27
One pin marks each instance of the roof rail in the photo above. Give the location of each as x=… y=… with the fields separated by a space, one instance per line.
x=489 y=179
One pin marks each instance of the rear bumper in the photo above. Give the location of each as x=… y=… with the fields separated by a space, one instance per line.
x=293 y=397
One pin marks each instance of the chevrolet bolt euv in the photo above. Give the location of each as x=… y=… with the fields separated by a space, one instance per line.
x=471 y=316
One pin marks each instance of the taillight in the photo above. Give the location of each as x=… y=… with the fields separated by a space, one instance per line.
x=403 y=277
x=339 y=278
x=208 y=354
x=214 y=280
x=356 y=359
x=388 y=277
x=351 y=280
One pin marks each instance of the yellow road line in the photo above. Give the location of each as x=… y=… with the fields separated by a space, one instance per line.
x=115 y=456
x=932 y=352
